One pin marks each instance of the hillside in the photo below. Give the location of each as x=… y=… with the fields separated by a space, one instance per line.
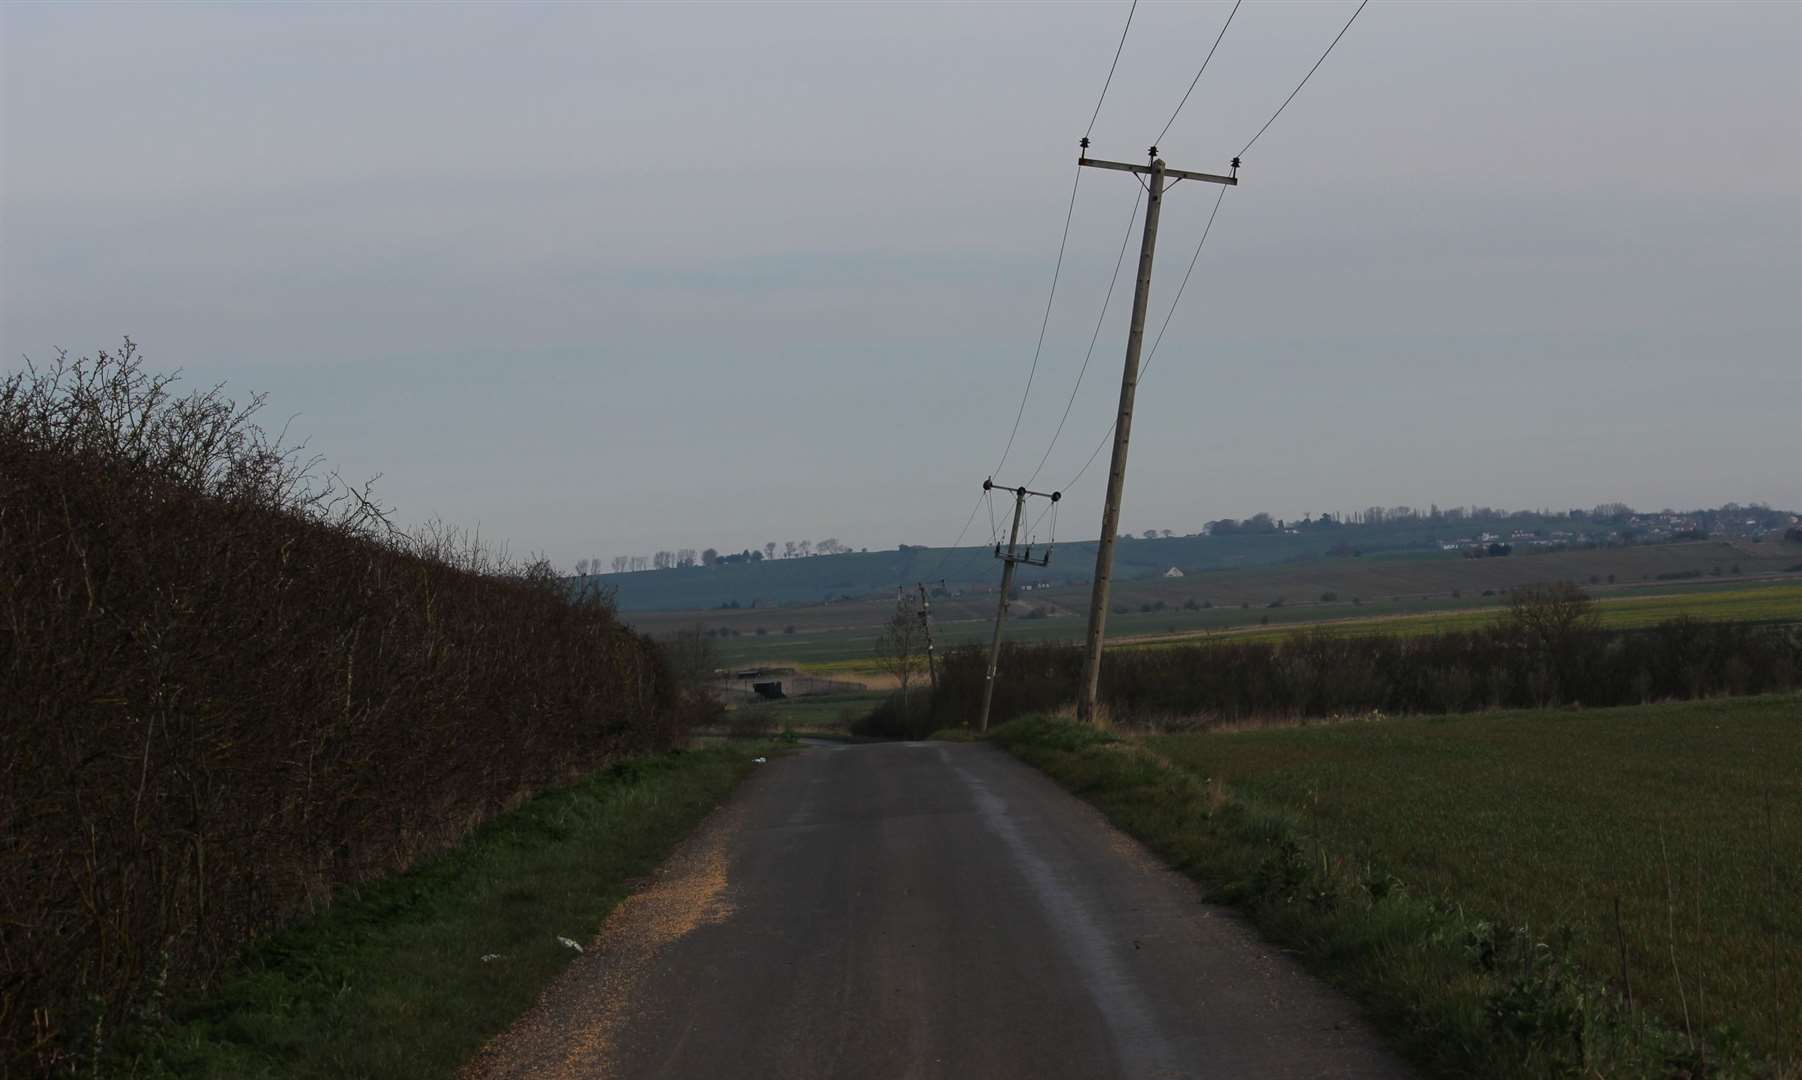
x=1358 y=588
x=1349 y=557
x=853 y=575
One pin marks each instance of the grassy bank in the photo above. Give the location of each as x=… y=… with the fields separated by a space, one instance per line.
x=410 y=975
x=1461 y=874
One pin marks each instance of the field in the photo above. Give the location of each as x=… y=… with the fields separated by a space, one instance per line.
x=844 y=650
x=1689 y=816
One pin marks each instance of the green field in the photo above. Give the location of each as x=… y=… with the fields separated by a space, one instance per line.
x=1767 y=603
x=846 y=650
x=1688 y=815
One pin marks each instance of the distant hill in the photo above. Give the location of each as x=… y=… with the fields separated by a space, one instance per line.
x=826 y=579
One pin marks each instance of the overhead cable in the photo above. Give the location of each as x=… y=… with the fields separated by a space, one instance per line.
x=1304 y=79
x=1204 y=66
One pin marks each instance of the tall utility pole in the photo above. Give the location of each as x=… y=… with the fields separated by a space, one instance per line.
x=1129 y=385
x=1008 y=560
x=932 y=668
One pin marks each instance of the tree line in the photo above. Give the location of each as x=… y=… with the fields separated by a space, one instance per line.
x=683 y=558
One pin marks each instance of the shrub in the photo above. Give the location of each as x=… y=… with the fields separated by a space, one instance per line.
x=900 y=717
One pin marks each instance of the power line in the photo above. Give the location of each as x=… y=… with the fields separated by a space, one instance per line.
x=1304 y=79
x=1110 y=69
x=1056 y=272
x=1197 y=78
x=1062 y=243
x=1119 y=261
x=1159 y=340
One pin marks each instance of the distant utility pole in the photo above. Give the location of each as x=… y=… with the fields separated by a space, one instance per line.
x=1129 y=385
x=932 y=668
x=1008 y=561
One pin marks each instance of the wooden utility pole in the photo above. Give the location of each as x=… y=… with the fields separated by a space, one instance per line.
x=1008 y=559
x=1157 y=172
x=932 y=669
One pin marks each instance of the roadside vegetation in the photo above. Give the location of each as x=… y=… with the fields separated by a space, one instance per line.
x=409 y=976
x=1515 y=894
x=231 y=690
x=1545 y=648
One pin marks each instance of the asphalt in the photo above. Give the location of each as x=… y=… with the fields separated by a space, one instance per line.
x=927 y=910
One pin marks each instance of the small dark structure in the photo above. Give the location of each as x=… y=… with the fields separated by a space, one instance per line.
x=770 y=690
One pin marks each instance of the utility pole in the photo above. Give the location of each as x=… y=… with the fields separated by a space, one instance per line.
x=1157 y=172
x=932 y=668
x=1008 y=561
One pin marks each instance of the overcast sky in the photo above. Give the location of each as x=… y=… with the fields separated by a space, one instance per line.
x=603 y=279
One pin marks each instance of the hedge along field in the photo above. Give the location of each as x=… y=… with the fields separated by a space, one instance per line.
x=228 y=688
x=1546 y=648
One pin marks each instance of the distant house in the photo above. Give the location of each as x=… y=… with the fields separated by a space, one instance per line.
x=1173 y=572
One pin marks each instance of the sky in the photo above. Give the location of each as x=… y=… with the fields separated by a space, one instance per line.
x=604 y=279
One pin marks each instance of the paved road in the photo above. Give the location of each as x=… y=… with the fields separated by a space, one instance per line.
x=927 y=910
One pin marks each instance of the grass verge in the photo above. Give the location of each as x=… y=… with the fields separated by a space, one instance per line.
x=1430 y=866
x=409 y=976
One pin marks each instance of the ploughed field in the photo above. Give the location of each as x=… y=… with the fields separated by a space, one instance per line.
x=1689 y=815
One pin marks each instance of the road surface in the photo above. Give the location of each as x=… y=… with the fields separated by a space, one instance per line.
x=926 y=910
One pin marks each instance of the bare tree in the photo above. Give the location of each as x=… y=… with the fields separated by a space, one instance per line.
x=769 y=550
x=900 y=648
x=692 y=657
x=1545 y=619
x=788 y=549
x=581 y=567
x=620 y=562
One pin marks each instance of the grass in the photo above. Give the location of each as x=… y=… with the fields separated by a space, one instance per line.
x=390 y=980
x=1460 y=874
x=830 y=713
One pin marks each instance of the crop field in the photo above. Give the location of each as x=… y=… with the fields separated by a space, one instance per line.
x=1771 y=603
x=845 y=651
x=1688 y=816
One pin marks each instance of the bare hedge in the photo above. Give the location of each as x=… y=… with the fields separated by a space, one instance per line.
x=228 y=688
x=1545 y=651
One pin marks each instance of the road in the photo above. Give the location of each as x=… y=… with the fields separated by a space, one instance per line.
x=926 y=910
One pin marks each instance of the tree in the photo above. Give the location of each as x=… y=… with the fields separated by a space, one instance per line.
x=769 y=550
x=900 y=648
x=710 y=556
x=621 y=562
x=685 y=557
x=788 y=549
x=692 y=657
x=664 y=560
x=581 y=567
x=1547 y=618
